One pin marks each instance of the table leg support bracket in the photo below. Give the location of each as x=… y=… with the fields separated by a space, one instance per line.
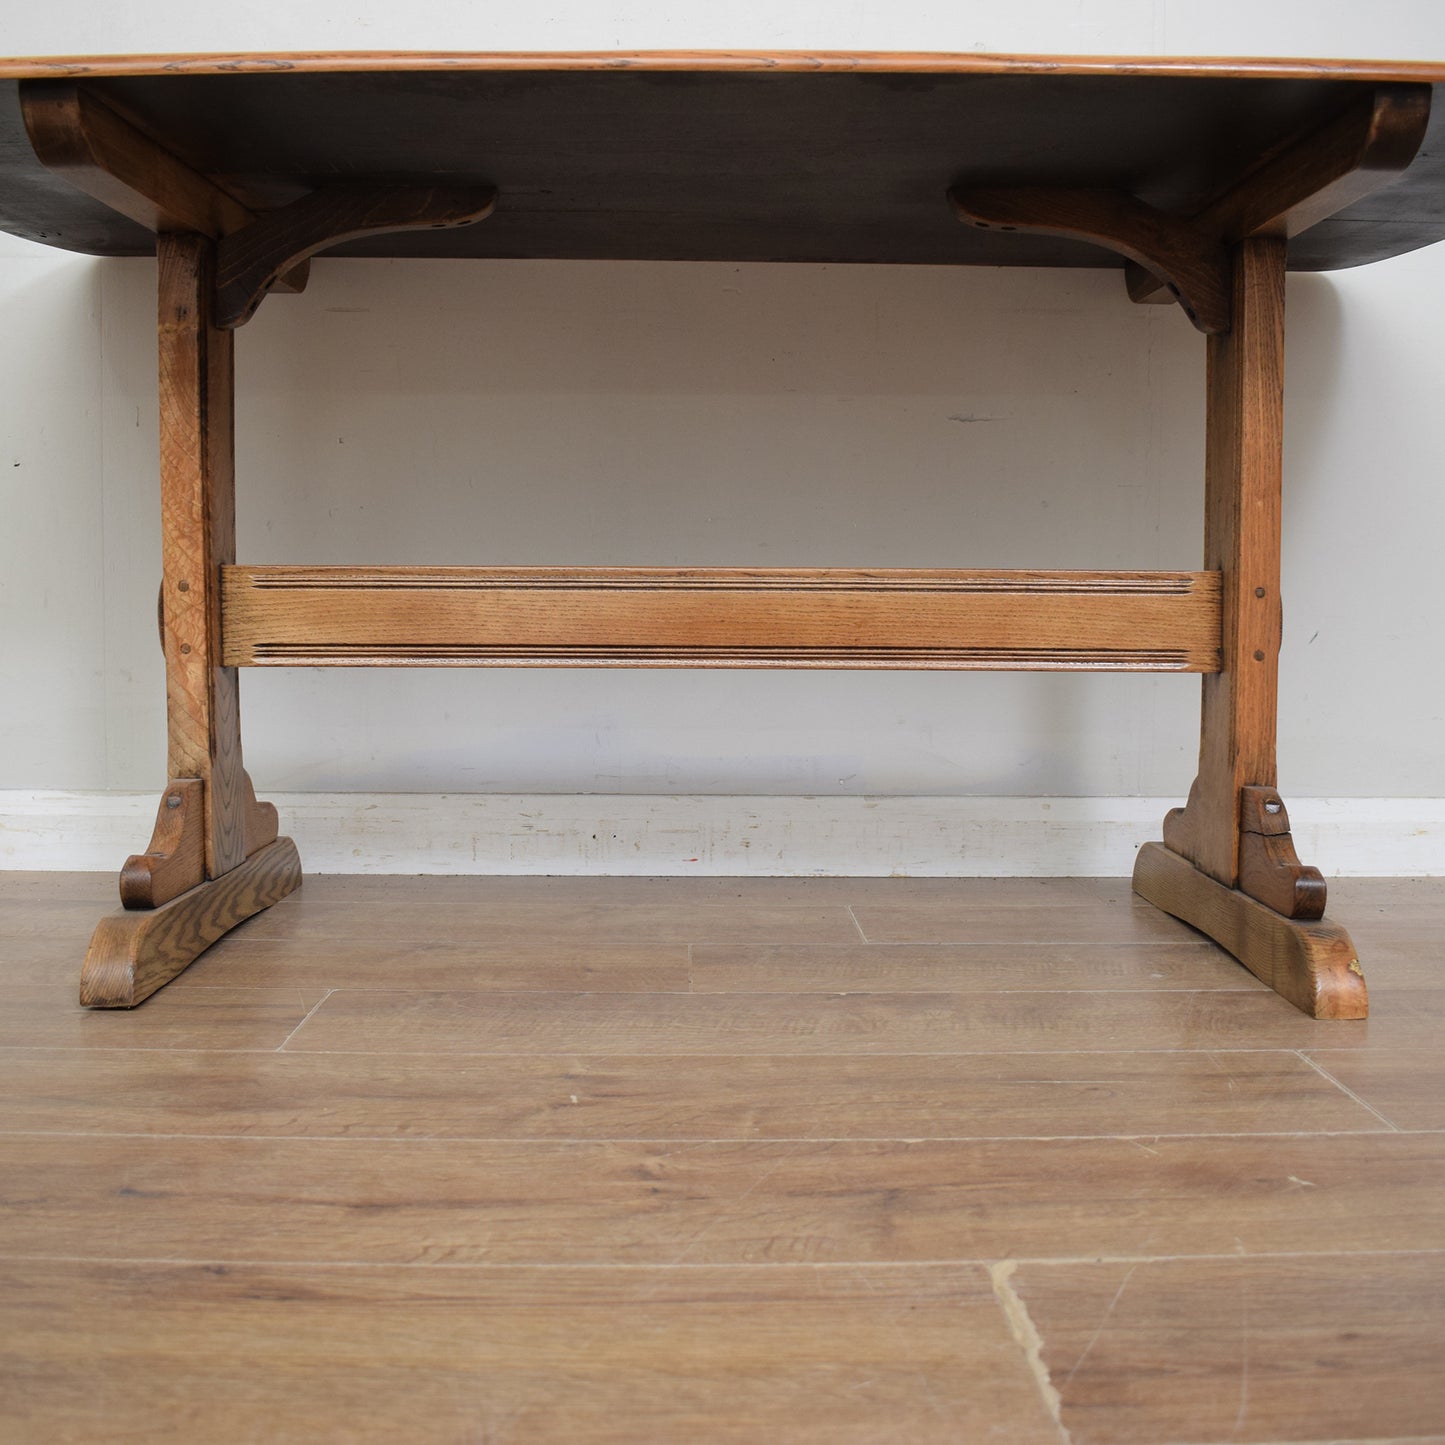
x=1269 y=867
x=176 y=858
x=1311 y=963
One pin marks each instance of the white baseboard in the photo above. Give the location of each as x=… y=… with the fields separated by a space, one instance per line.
x=721 y=836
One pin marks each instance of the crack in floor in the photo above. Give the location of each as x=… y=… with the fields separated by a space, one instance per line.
x=1026 y=1335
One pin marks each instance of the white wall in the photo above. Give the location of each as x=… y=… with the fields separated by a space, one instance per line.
x=530 y=413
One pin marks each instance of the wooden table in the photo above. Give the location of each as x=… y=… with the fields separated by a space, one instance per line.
x=1202 y=181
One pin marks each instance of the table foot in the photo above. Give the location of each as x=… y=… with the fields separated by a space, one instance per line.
x=133 y=952
x=1311 y=963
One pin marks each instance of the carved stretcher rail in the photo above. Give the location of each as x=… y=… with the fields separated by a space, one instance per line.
x=719 y=617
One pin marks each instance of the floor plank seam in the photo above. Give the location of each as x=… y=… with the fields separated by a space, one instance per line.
x=131 y=1049
x=235 y=947
x=1204 y=1051
x=1252 y=988
x=622 y=1055
x=584 y=1052
x=1345 y=1089
x=1432 y=1439
x=977 y=938
x=1233 y=1257
x=694 y=1141
x=282 y=1045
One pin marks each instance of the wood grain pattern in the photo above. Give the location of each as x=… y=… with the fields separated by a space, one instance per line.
x=1405 y=1086
x=1315 y=175
x=176 y=858
x=458 y=961
x=252 y=261
x=198 y=535
x=679 y=1097
x=562 y=923
x=734 y=617
x=76 y=134
x=132 y=954
x=260 y=822
x=818 y=1357
x=473 y=1022
x=1244 y=1350
x=766 y=162
x=824 y=61
x=978 y=921
x=457 y=1202
x=1243 y=450
x=45 y=1017
x=1190 y=263
x=21 y=887
x=1312 y=964
x=962 y=967
x=1269 y=867
x=44 y=921
x=514 y=890
x=600 y=918
x=210 y=826
x=101 y=152
x=739 y=1216
x=1393 y=921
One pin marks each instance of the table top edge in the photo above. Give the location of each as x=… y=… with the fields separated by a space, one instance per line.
x=713 y=61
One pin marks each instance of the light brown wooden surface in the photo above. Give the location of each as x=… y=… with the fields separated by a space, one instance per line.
x=700 y=617
x=176 y=858
x=134 y=952
x=45 y=1016
x=656 y=1095
x=467 y=1355
x=1405 y=1086
x=593 y=1202
x=474 y=1022
x=448 y=1159
x=1269 y=867
x=1243 y=452
x=881 y=61
x=198 y=535
x=1312 y=962
x=1257 y=1349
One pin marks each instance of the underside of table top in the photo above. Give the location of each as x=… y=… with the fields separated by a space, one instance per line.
x=720 y=157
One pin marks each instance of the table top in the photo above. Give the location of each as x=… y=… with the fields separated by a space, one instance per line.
x=727 y=156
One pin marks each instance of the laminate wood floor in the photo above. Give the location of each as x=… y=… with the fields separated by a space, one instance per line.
x=837 y=1160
